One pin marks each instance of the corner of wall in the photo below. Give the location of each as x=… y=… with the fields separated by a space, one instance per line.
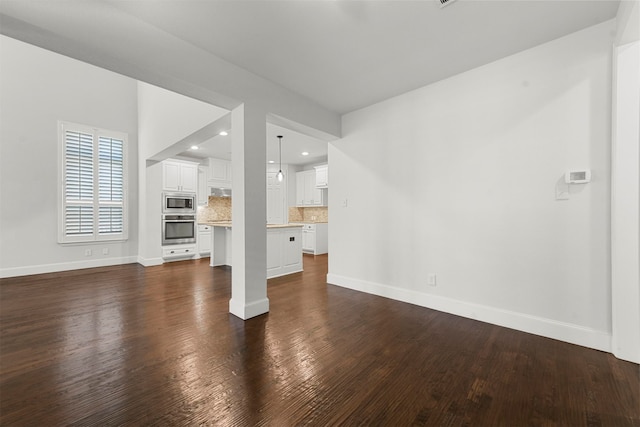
x=628 y=22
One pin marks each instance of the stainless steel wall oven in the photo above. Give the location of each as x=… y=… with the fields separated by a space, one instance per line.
x=178 y=229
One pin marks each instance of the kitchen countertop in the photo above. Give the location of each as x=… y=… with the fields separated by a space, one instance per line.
x=309 y=222
x=228 y=224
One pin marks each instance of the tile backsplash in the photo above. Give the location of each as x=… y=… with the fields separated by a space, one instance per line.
x=311 y=214
x=218 y=209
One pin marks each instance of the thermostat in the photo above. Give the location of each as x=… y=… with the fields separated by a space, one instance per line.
x=577 y=177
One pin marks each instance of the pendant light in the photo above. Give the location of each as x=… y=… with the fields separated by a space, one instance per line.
x=280 y=175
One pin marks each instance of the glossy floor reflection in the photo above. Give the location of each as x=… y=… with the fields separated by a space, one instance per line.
x=127 y=345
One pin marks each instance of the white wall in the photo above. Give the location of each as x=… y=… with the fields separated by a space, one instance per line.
x=625 y=197
x=164 y=118
x=167 y=117
x=459 y=178
x=38 y=88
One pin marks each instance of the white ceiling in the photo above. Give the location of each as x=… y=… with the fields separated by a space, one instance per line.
x=340 y=54
x=293 y=144
x=346 y=55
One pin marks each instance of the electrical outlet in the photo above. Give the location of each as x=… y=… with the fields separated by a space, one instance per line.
x=105 y=251
x=431 y=280
x=87 y=252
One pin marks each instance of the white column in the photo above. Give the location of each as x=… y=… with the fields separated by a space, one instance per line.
x=249 y=241
x=625 y=204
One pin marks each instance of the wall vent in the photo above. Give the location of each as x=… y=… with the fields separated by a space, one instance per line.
x=443 y=3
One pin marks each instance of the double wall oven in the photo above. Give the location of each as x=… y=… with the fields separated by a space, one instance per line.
x=178 y=218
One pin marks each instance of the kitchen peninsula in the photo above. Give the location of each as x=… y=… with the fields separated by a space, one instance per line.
x=284 y=247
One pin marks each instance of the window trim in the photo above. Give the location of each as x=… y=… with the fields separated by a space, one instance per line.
x=94 y=237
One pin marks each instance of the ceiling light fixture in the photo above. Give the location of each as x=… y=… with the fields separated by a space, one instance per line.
x=280 y=175
x=223 y=133
x=305 y=153
x=271 y=162
x=194 y=147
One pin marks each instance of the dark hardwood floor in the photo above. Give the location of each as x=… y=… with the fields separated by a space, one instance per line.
x=133 y=346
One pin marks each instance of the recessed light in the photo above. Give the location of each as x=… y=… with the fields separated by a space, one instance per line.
x=305 y=153
x=194 y=147
x=271 y=161
x=223 y=133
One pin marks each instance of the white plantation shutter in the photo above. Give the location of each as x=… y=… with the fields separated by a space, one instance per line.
x=78 y=187
x=94 y=184
x=110 y=185
x=78 y=220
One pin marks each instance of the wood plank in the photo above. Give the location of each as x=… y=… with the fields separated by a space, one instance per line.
x=157 y=346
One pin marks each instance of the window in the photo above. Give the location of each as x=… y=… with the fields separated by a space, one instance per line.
x=93 y=193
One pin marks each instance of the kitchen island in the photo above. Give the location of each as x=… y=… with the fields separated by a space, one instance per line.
x=284 y=247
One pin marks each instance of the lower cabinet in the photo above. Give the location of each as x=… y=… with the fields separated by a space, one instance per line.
x=204 y=240
x=284 y=249
x=284 y=252
x=221 y=250
x=309 y=239
x=178 y=252
x=315 y=238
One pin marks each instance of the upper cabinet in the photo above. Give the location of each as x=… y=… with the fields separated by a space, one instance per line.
x=203 y=193
x=219 y=173
x=179 y=176
x=322 y=176
x=307 y=194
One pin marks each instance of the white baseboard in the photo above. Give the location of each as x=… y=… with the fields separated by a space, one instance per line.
x=247 y=311
x=571 y=333
x=284 y=273
x=65 y=266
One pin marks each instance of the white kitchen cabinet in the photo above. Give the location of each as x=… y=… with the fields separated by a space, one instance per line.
x=322 y=176
x=315 y=238
x=203 y=193
x=204 y=239
x=170 y=176
x=221 y=246
x=307 y=194
x=179 y=176
x=317 y=197
x=300 y=200
x=276 y=200
x=291 y=251
x=274 y=254
x=308 y=239
x=178 y=252
x=284 y=250
x=219 y=173
x=284 y=255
